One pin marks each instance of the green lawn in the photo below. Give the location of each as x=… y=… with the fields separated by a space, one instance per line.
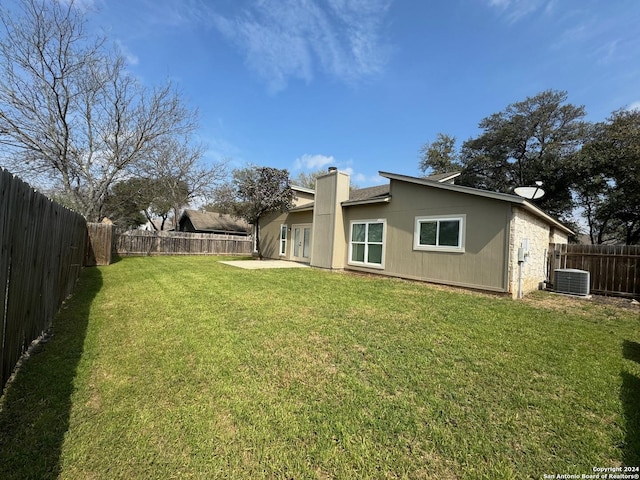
x=187 y=368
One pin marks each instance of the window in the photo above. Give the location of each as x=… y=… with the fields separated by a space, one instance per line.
x=366 y=246
x=439 y=233
x=283 y=240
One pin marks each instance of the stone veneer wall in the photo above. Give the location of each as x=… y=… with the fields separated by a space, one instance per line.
x=559 y=237
x=540 y=234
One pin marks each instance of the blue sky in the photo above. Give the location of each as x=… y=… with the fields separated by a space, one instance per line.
x=362 y=84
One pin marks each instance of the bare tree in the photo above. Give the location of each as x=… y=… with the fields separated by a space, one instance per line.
x=70 y=114
x=181 y=174
x=308 y=180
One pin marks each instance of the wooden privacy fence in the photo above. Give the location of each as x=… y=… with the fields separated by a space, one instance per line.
x=139 y=242
x=100 y=246
x=613 y=269
x=42 y=248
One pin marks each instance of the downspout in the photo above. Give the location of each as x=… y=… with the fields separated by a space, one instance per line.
x=507 y=247
x=520 y=262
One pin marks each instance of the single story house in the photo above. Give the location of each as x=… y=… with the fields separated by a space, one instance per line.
x=425 y=229
x=197 y=221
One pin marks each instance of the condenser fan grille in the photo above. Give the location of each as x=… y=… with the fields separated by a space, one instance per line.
x=571 y=281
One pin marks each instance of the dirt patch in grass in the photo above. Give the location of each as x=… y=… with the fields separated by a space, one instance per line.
x=544 y=299
x=618 y=302
x=609 y=306
x=434 y=286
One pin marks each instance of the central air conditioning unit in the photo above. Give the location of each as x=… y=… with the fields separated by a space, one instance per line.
x=571 y=281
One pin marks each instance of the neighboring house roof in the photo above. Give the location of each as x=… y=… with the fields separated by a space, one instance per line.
x=480 y=193
x=214 y=221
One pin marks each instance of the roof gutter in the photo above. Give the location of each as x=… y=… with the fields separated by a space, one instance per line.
x=348 y=203
x=480 y=193
x=303 y=208
x=536 y=211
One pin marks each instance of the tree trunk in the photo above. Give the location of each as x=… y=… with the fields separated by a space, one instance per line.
x=258 y=248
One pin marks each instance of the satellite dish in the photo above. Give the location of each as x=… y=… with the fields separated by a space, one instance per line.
x=531 y=193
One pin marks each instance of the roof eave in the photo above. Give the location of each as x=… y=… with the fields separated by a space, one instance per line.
x=308 y=207
x=350 y=203
x=481 y=193
x=536 y=211
x=455 y=188
x=303 y=189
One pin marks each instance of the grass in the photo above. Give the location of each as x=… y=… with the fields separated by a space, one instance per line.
x=187 y=368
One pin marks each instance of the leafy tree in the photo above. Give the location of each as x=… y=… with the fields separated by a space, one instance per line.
x=127 y=200
x=255 y=192
x=610 y=192
x=530 y=140
x=135 y=201
x=440 y=156
x=591 y=188
x=70 y=114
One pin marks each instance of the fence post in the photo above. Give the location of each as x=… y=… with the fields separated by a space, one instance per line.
x=99 y=244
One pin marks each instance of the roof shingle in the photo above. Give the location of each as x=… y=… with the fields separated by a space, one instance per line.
x=214 y=222
x=369 y=193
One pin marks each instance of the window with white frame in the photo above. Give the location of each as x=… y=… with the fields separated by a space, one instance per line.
x=366 y=244
x=440 y=233
x=283 y=240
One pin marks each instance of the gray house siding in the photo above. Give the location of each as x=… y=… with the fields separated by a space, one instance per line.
x=481 y=265
x=481 y=254
x=270 y=232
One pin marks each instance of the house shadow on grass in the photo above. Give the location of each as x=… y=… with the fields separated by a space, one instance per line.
x=630 y=398
x=36 y=406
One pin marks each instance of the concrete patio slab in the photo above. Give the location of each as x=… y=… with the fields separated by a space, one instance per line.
x=260 y=264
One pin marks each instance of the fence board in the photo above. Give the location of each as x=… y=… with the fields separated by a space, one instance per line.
x=614 y=269
x=139 y=242
x=100 y=244
x=41 y=254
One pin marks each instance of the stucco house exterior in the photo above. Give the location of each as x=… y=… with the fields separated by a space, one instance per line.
x=425 y=229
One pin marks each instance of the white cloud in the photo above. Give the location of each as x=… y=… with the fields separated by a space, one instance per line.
x=634 y=106
x=607 y=52
x=312 y=162
x=361 y=180
x=82 y=5
x=129 y=56
x=283 y=39
x=499 y=3
x=515 y=10
x=167 y=13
